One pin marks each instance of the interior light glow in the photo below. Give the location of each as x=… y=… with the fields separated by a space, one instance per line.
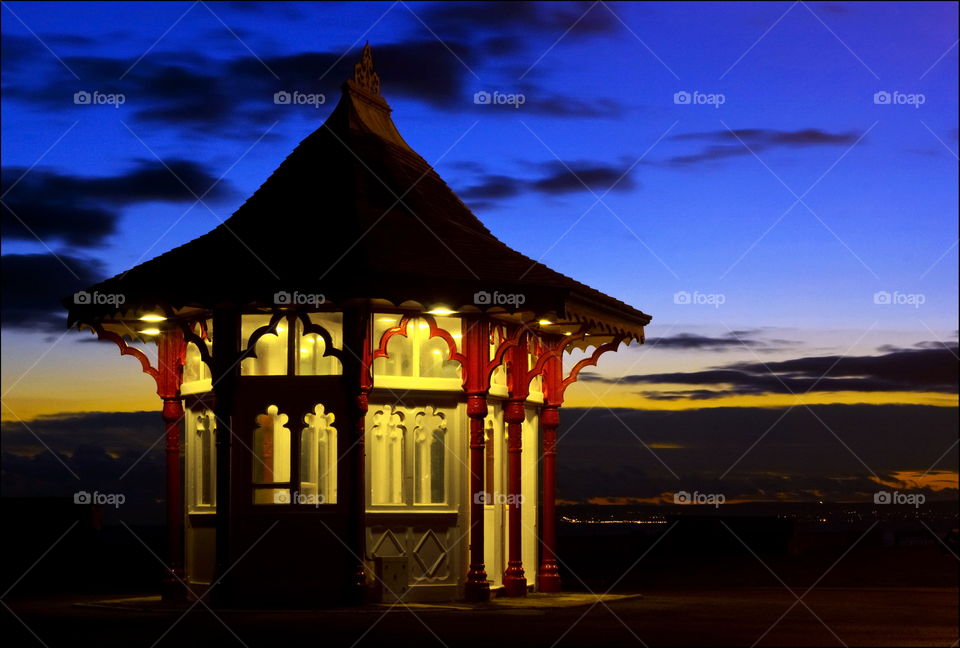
x=440 y=310
x=150 y=331
x=545 y=322
x=150 y=317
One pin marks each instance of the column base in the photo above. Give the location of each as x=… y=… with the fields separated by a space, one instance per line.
x=358 y=592
x=174 y=588
x=548 y=580
x=477 y=591
x=514 y=582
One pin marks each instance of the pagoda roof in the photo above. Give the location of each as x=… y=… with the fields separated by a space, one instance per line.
x=355 y=214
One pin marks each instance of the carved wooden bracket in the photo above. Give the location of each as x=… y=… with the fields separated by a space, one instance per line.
x=126 y=349
x=171 y=358
x=587 y=362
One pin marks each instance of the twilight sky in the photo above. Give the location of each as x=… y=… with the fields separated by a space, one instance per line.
x=774 y=182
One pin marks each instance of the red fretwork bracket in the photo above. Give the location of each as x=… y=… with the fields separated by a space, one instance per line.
x=126 y=349
x=555 y=384
x=171 y=358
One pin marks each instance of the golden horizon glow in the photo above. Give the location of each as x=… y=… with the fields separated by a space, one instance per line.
x=580 y=395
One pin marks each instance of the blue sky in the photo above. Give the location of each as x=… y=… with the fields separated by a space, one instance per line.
x=790 y=230
x=794 y=201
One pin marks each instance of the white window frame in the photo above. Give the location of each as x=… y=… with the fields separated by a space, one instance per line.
x=456 y=421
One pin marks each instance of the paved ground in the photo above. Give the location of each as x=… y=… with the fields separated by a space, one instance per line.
x=700 y=617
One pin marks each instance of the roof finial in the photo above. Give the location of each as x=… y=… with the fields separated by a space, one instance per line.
x=363 y=73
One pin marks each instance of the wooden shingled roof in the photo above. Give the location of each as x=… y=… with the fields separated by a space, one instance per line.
x=353 y=213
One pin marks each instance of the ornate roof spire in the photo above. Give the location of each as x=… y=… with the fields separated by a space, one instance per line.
x=363 y=73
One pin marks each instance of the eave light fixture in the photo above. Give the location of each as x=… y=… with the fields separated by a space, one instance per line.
x=150 y=331
x=440 y=310
x=151 y=317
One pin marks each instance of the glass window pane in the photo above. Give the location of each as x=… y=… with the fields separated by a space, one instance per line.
x=206 y=460
x=400 y=348
x=271 y=350
x=430 y=457
x=271 y=496
x=435 y=352
x=318 y=458
x=311 y=347
x=386 y=456
x=194 y=368
x=271 y=448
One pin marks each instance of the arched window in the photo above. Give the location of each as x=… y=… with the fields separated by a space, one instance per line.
x=430 y=457
x=318 y=458
x=271 y=458
x=387 y=457
x=416 y=354
x=291 y=349
x=410 y=455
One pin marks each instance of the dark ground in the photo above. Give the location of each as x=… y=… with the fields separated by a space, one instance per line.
x=704 y=617
x=704 y=582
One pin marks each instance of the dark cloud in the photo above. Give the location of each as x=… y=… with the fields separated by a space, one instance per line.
x=686 y=341
x=493 y=186
x=737 y=142
x=732 y=341
x=272 y=7
x=563 y=106
x=192 y=91
x=579 y=176
x=517 y=20
x=556 y=178
x=918 y=369
x=82 y=211
x=34 y=284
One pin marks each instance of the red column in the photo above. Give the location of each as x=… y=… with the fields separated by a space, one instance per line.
x=548 y=577
x=477 y=587
x=518 y=377
x=171 y=354
x=476 y=371
x=514 y=582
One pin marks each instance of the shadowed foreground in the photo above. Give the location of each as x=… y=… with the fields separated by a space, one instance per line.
x=719 y=617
